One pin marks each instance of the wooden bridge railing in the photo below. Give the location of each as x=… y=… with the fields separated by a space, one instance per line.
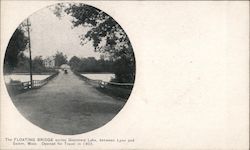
x=19 y=87
x=121 y=90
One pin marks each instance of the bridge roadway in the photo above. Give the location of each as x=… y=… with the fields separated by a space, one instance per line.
x=67 y=105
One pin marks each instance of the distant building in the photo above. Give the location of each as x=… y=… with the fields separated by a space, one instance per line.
x=49 y=62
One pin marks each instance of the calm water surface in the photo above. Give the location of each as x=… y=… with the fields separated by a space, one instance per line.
x=23 y=78
x=101 y=76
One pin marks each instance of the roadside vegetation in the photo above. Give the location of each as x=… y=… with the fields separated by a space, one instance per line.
x=105 y=34
x=91 y=65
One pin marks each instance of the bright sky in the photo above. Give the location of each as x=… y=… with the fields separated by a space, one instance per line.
x=49 y=34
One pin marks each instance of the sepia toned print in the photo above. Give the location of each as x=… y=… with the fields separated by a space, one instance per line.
x=190 y=89
x=69 y=68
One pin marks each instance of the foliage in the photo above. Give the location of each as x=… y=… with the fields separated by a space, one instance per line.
x=16 y=46
x=74 y=62
x=22 y=65
x=37 y=65
x=60 y=59
x=106 y=35
x=90 y=64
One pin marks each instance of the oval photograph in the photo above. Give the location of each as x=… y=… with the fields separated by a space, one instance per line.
x=69 y=68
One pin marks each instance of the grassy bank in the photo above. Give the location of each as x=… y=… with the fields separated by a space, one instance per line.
x=117 y=93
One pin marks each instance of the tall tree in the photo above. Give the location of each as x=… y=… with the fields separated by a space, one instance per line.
x=38 y=65
x=74 y=63
x=16 y=46
x=106 y=35
x=60 y=59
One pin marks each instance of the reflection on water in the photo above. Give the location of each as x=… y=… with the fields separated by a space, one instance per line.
x=101 y=76
x=23 y=78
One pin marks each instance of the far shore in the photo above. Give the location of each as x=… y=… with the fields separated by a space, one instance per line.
x=96 y=72
x=27 y=73
x=49 y=73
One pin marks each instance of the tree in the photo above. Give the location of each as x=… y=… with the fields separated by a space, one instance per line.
x=38 y=65
x=22 y=64
x=90 y=64
x=60 y=59
x=74 y=63
x=106 y=35
x=16 y=46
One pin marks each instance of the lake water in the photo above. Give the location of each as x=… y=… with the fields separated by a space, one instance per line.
x=100 y=76
x=23 y=78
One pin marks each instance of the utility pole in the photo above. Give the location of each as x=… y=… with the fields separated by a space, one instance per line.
x=28 y=25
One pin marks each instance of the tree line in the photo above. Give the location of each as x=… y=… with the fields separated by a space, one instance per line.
x=91 y=64
x=15 y=61
x=106 y=36
x=38 y=66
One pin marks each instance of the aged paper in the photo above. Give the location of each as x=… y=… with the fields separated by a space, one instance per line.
x=191 y=88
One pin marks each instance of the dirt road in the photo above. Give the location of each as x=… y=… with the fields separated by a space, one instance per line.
x=67 y=105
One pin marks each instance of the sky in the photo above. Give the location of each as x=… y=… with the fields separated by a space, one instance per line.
x=50 y=34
